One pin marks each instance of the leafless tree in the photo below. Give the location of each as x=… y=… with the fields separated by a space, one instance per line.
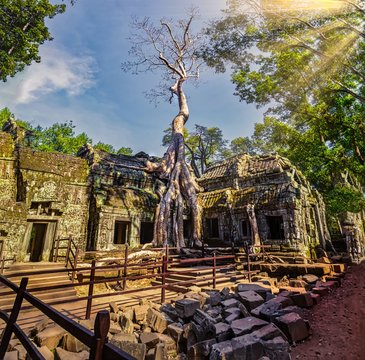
x=171 y=49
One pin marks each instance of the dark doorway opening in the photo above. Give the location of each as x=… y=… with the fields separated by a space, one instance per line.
x=213 y=228
x=36 y=242
x=187 y=229
x=121 y=232
x=276 y=227
x=246 y=228
x=146 y=233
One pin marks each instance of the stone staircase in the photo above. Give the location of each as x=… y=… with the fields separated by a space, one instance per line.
x=19 y=270
x=199 y=276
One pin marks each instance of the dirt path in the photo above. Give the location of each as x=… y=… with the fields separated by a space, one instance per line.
x=338 y=322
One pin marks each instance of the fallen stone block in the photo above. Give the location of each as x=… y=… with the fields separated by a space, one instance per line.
x=140 y=313
x=230 y=303
x=298 y=284
x=223 y=331
x=160 y=352
x=247 y=347
x=149 y=339
x=214 y=298
x=310 y=278
x=277 y=348
x=316 y=298
x=46 y=353
x=253 y=287
x=70 y=343
x=250 y=299
x=246 y=325
x=293 y=326
x=50 y=337
x=330 y=284
x=339 y=268
x=168 y=342
x=321 y=291
x=137 y=350
x=121 y=338
x=186 y=307
x=222 y=351
x=11 y=355
x=201 y=317
x=229 y=319
x=158 y=321
x=40 y=326
x=303 y=300
x=61 y=354
x=126 y=324
x=268 y=332
x=201 y=350
x=170 y=311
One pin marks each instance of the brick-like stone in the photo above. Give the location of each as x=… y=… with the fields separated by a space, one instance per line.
x=186 y=307
x=230 y=303
x=158 y=321
x=50 y=337
x=303 y=300
x=201 y=350
x=150 y=339
x=293 y=326
x=223 y=331
x=253 y=287
x=140 y=313
x=246 y=325
x=250 y=299
x=277 y=348
x=247 y=347
x=222 y=351
x=321 y=291
x=61 y=354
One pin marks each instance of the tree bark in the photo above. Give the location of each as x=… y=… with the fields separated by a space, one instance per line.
x=181 y=188
x=254 y=228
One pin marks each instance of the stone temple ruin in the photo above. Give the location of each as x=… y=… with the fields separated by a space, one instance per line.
x=105 y=201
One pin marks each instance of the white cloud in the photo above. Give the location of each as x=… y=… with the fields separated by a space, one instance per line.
x=58 y=71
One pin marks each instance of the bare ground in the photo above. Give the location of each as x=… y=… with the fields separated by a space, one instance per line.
x=338 y=322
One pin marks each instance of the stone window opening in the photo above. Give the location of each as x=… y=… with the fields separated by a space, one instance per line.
x=276 y=227
x=121 y=232
x=213 y=228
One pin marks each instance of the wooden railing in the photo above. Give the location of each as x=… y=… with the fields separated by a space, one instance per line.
x=3 y=259
x=97 y=341
x=66 y=249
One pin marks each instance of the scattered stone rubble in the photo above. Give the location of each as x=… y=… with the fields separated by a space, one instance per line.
x=250 y=321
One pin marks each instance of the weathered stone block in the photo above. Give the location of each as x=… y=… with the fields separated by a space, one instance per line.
x=222 y=351
x=250 y=299
x=293 y=327
x=61 y=354
x=253 y=287
x=135 y=349
x=126 y=324
x=277 y=348
x=303 y=300
x=310 y=278
x=158 y=321
x=321 y=291
x=247 y=347
x=186 y=307
x=201 y=350
x=149 y=339
x=214 y=298
x=268 y=332
x=230 y=303
x=246 y=325
x=70 y=343
x=223 y=332
x=50 y=336
x=140 y=313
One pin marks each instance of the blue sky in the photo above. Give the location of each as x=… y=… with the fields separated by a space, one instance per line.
x=80 y=79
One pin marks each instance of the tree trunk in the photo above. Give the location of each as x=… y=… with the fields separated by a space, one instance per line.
x=181 y=188
x=254 y=228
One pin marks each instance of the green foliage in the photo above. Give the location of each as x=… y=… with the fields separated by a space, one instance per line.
x=125 y=151
x=59 y=137
x=307 y=68
x=242 y=145
x=22 y=31
x=105 y=147
x=5 y=115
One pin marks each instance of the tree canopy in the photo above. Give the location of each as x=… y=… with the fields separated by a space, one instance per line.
x=305 y=64
x=22 y=31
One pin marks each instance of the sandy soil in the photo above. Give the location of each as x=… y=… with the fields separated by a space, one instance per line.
x=338 y=322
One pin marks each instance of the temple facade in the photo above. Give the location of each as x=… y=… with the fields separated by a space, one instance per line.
x=105 y=201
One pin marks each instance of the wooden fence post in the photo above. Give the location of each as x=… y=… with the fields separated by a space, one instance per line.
x=125 y=267
x=163 y=289
x=68 y=250
x=248 y=263
x=101 y=328
x=214 y=270
x=13 y=317
x=91 y=290
x=75 y=263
